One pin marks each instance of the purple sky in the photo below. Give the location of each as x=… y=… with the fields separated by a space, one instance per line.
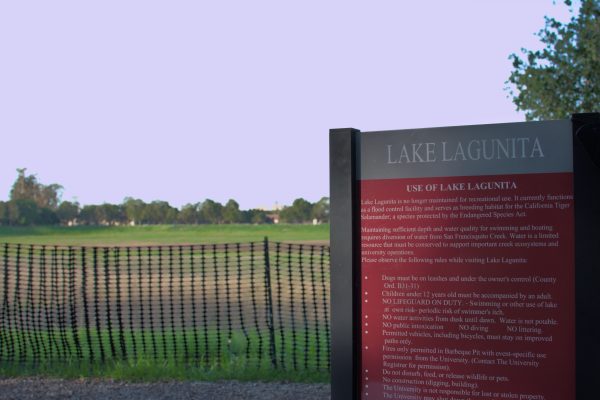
x=188 y=100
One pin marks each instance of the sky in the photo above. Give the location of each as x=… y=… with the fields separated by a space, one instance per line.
x=187 y=100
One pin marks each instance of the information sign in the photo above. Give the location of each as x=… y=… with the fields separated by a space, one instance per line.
x=464 y=262
x=467 y=263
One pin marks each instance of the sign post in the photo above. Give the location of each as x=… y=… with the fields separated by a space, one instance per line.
x=458 y=269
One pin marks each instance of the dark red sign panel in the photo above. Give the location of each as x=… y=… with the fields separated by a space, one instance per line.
x=468 y=280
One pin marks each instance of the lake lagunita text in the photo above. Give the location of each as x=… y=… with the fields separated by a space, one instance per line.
x=474 y=150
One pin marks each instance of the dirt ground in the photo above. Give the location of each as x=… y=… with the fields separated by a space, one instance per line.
x=95 y=389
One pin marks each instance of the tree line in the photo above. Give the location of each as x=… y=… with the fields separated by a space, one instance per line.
x=33 y=203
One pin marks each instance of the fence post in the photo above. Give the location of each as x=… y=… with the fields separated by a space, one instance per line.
x=270 y=322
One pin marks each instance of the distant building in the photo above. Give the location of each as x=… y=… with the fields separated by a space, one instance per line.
x=272 y=213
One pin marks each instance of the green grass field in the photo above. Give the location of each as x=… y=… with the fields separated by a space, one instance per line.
x=239 y=358
x=162 y=234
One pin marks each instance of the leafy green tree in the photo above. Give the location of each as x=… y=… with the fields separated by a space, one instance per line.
x=12 y=213
x=231 y=212
x=45 y=216
x=133 y=209
x=320 y=210
x=89 y=215
x=3 y=213
x=110 y=214
x=26 y=187
x=49 y=196
x=67 y=212
x=255 y=216
x=159 y=212
x=23 y=212
x=190 y=214
x=212 y=211
x=564 y=77
x=298 y=212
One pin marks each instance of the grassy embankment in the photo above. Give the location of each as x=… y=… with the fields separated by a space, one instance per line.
x=237 y=358
x=162 y=234
x=230 y=365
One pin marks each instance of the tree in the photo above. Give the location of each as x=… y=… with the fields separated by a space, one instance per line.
x=298 y=212
x=212 y=211
x=67 y=212
x=190 y=214
x=49 y=196
x=133 y=209
x=159 y=212
x=231 y=212
x=320 y=210
x=22 y=212
x=26 y=187
x=89 y=215
x=255 y=216
x=3 y=213
x=564 y=77
x=111 y=214
x=45 y=216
